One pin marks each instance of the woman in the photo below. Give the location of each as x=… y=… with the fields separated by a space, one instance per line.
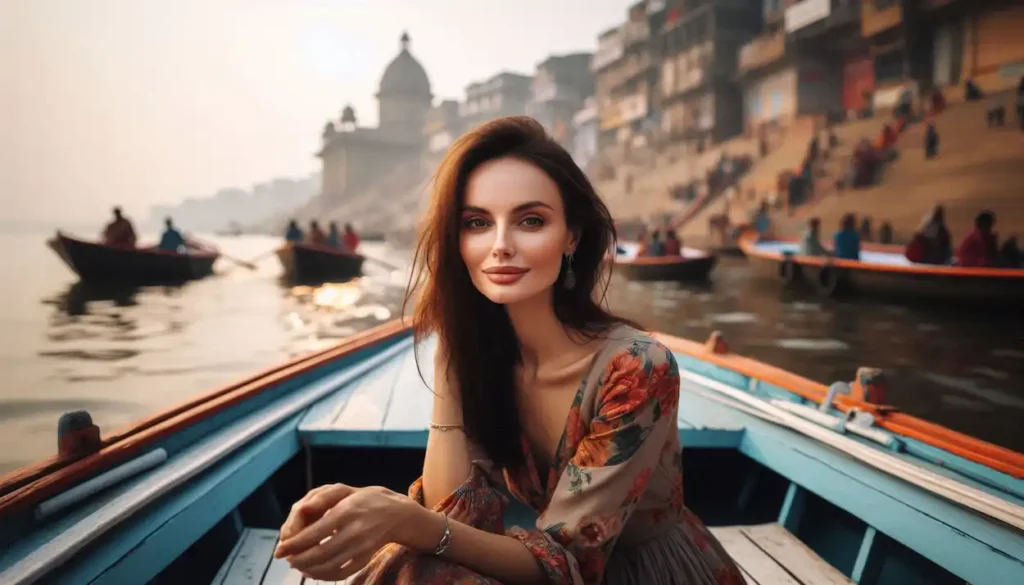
x=539 y=390
x=810 y=243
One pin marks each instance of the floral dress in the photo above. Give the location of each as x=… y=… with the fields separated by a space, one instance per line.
x=612 y=510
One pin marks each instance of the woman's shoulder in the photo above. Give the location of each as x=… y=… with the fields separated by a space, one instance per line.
x=628 y=347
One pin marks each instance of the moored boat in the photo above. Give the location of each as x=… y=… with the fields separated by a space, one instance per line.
x=308 y=263
x=802 y=483
x=882 y=270
x=98 y=263
x=691 y=265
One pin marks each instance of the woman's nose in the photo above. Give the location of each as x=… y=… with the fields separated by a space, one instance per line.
x=503 y=246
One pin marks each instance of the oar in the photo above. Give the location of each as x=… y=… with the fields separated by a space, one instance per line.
x=382 y=262
x=250 y=264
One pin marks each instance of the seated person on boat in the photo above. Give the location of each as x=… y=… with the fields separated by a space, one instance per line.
x=333 y=236
x=654 y=247
x=351 y=238
x=673 y=247
x=119 y=233
x=539 y=390
x=294 y=234
x=846 y=241
x=1009 y=253
x=316 y=235
x=172 y=240
x=810 y=243
x=981 y=246
x=931 y=243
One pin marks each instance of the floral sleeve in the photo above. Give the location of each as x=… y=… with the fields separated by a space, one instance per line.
x=634 y=416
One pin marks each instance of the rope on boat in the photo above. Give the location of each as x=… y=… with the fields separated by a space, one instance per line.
x=955 y=491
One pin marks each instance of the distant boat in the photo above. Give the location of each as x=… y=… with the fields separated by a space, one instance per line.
x=95 y=262
x=306 y=263
x=692 y=265
x=882 y=270
x=802 y=484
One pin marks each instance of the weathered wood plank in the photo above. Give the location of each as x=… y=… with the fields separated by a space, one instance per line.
x=752 y=559
x=791 y=553
x=281 y=573
x=254 y=556
x=746 y=577
x=413 y=400
x=366 y=407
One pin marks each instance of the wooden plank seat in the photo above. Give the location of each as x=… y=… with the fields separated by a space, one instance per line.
x=769 y=555
x=252 y=562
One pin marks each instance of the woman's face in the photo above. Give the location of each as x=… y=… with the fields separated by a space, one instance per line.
x=513 y=231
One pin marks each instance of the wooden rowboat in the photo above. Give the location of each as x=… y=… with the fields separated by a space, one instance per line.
x=851 y=491
x=882 y=270
x=692 y=265
x=307 y=263
x=98 y=263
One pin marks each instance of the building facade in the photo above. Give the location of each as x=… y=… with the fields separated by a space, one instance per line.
x=355 y=157
x=559 y=88
x=701 y=101
x=505 y=94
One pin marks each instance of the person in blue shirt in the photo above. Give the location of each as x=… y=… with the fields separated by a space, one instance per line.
x=846 y=241
x=333 y=236
x=172 y=240
x=294 y=233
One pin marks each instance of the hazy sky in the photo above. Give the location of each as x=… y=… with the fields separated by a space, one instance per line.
x=143 y=101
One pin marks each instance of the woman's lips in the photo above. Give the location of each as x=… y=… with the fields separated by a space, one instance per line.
x=505 y=275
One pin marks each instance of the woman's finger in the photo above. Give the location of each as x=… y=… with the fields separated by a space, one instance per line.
x=311 y=535
x=316 y=521
x=348 y=538
x=301 y=515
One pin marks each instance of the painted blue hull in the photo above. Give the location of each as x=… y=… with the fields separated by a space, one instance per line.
x=207 y=508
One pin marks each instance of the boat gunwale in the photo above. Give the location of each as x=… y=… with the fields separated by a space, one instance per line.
x=61 y=237
x=293 y=247
x=26 y=486
x=666 y=260
x=748 y=243
x=970 y=448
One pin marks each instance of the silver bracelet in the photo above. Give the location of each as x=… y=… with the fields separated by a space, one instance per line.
x=446 y=538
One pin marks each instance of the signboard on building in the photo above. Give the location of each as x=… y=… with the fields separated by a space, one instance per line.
x=806 y=12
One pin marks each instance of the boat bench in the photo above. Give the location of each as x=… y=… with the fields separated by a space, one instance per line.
x=252 y=562
x=770 y=554
x=390 y=406
x=767 y=554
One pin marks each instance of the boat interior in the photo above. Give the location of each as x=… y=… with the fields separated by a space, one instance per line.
x=203 y=504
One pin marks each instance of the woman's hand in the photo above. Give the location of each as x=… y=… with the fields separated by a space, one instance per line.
x=335 y=530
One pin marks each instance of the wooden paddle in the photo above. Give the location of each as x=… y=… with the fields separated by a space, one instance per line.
x=250 y=264
x=382 y=263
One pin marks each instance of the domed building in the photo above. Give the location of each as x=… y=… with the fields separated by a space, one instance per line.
x=355 y=157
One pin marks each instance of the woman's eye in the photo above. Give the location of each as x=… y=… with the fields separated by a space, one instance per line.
x=474 y=223
x=534 y=222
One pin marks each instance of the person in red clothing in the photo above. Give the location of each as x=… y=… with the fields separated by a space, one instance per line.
x=351 y=238
x=980 y=247
x=119 y=233
x=673 y=247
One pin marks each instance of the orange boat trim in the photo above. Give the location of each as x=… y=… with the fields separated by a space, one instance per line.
x=748 y=241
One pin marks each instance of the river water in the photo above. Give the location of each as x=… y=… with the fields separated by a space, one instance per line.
x=125 y=355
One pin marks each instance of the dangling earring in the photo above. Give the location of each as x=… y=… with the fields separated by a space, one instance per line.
x=570 y=277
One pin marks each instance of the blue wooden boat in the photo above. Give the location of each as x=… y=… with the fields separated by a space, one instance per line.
x=798 y=493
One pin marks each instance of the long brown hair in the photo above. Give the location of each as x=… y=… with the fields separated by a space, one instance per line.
x=482 y=346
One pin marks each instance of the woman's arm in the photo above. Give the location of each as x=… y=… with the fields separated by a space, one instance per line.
x=495 y=555
x=449 y=455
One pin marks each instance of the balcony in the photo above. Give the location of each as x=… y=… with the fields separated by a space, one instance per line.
x=811 y=18
x=634 y=32
x=762 y=51
x=878 y=16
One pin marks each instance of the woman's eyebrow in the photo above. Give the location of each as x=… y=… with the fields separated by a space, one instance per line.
x=518 y=208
